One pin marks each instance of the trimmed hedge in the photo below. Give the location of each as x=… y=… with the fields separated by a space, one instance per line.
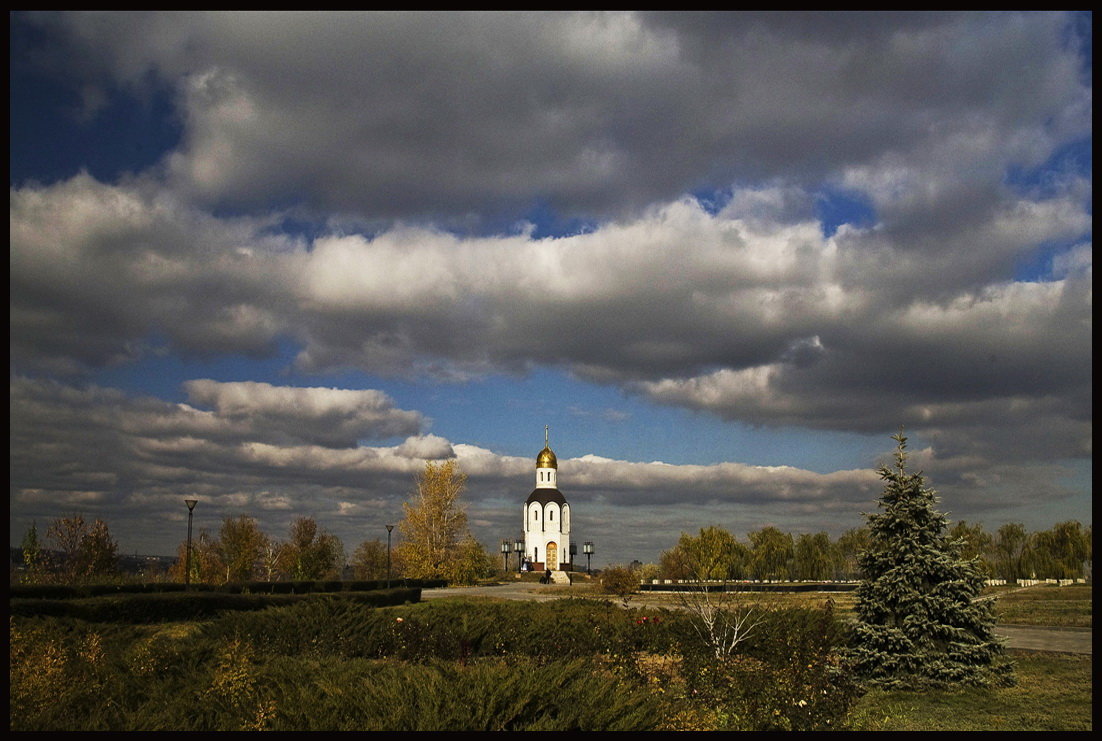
x=83 y=591
x=177 y=606
x=452 y=630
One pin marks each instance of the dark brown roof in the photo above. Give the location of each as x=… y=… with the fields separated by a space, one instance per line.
x=545 y=495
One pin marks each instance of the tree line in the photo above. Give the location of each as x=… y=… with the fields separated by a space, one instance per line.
x=1011 y=552
x=434 y=542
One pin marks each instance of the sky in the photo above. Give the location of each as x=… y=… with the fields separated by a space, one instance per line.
x=277 y=262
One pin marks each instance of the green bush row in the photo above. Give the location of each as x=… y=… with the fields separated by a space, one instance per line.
x=338 y=663
x=456 y=629
x=181 y=606
x=81 y=591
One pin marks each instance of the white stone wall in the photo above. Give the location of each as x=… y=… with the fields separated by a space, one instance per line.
x=545 y=524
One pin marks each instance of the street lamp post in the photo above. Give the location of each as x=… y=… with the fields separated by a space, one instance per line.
x=573 y=552
x=187 y=557
x=506 y=548
x=388 y=529
x=587 y=547
x=518 y=548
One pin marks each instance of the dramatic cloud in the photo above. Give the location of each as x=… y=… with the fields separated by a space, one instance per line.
x=96 y=269
x=466 y=115
x=743 y=316
x=811 y=227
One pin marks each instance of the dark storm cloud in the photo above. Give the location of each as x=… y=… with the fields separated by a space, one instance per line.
x=384 y=115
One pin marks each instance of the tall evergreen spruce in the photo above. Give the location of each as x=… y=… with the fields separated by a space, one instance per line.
x=919 y=623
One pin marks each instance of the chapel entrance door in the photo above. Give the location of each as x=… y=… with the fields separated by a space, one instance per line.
x=552 y=555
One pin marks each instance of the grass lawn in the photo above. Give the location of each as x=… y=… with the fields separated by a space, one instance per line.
x=1053 y=693
x=1046 y=604
x=1043 y=604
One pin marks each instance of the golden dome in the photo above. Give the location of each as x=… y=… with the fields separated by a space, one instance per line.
x=546 y=459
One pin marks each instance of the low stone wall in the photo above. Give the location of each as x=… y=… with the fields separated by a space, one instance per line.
x=1058 y=582
x=688 y=585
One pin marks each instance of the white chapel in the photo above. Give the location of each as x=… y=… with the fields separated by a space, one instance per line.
x=547 y=517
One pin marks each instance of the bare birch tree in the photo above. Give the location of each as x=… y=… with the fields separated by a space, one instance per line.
x=720 y=618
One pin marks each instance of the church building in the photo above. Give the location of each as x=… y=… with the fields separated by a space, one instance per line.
x=547 y=517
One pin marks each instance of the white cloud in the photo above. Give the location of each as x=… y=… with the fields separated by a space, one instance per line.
x=336 y=417
x=1078 y=261
x=426 y=447
x=762 y=321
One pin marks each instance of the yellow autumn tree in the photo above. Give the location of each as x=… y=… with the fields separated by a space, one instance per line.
x=435 y=522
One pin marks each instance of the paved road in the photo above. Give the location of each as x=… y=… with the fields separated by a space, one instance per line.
x=1028 y=638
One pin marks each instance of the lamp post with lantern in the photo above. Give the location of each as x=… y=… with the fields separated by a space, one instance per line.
x=518 y=548
x=388 y=529
x=187 y=557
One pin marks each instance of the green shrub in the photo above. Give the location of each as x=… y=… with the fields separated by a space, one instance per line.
x=325 y=626
x=371 y=585
x=788 y=675
x=488 y=695
x=174 y=606
x=797 y=632
x=453 y=630
x=563 y=629
x=66 y=676
x=43 y=591
x=282 y=587
x=620 y=581
x=82 y=591
x=333 y=662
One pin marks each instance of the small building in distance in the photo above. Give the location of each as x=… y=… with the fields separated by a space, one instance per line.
x=547 y=517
